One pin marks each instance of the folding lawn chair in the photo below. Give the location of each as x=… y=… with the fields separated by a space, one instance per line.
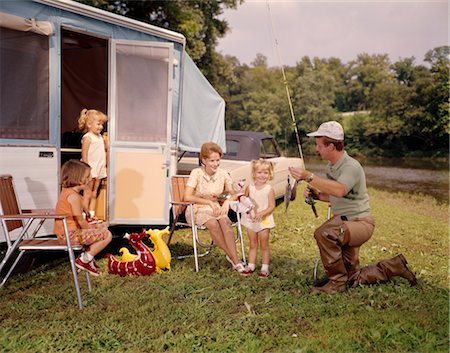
x=30 y=222
x=178 y=209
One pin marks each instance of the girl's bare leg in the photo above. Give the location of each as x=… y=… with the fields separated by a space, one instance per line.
x=94 y=192
x=253 y=237
x=98 y=246
x=264 y=244
x=87 y=195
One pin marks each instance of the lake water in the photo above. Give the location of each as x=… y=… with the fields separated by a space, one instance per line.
x=429 y=177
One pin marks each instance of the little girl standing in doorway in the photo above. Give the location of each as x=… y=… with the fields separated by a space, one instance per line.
x=93 y=153
x=75 y=176
x=258 y=228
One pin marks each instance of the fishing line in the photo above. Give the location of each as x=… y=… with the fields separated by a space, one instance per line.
x=308 y=200
x=288 y=94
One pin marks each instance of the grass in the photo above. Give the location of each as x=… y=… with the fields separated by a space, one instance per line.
x=216 y=310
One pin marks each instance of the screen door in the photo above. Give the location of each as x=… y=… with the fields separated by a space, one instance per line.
x=140 y=101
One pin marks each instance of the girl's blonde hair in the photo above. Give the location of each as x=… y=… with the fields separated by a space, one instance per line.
x=262 y=164
x=208 y=148
x=73 y=173
x=87 y=116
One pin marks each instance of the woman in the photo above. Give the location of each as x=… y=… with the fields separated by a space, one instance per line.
x=204 y=186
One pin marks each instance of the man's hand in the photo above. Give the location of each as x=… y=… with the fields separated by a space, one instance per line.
x=297 y=173
x=312 y=193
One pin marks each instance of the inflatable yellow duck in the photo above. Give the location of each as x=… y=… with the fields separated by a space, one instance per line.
x=161 y=252
x=126 y=256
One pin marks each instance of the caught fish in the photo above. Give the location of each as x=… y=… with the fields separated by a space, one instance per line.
x=290 y=193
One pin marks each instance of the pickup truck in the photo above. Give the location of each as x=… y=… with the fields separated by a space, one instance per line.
x=242 y=148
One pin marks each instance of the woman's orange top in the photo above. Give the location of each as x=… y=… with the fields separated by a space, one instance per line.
x=63 y=206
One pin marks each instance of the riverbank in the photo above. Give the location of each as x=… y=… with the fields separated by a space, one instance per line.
x=216 y=310
x=415 y=176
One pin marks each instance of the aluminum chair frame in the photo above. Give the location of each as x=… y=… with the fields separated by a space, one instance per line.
x=179 y=206
x=31 y=221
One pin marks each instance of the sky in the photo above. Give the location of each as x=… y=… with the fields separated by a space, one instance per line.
x=334 y=28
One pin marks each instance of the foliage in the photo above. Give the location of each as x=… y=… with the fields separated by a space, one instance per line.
x=216 y=310
x=197 y=20
x=398 y=109
x=314 y=94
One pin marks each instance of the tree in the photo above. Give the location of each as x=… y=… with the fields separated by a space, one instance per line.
x=197 y=20
x=257 y=100
x=314 y=94
x=363 y=75
x=439 y=60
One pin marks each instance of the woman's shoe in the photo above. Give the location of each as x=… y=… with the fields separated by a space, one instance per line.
x=239 y=267
x=229 y=260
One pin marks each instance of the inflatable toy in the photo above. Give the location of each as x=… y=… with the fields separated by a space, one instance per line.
x=161 y=252
x=142 y=265
x=126 y=255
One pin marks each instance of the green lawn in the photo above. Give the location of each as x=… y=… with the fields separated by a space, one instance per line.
x=216 y=310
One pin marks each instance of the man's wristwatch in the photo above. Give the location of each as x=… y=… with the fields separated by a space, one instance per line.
x=310 y=178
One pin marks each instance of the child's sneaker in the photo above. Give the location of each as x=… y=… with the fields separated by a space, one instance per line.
x=263 y=274
x=89 y=267
x=247 y=272
x=93 y=220
x=96 y=266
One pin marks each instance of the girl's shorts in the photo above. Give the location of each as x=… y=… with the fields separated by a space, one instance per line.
x=93 y=234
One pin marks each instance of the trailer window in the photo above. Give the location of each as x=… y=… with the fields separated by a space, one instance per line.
x=24 y=87
x=142 y=93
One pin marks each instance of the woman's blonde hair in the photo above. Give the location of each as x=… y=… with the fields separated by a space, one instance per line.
x=262 y=164
x=208 y=148
x=73 y=173
x=87 y=116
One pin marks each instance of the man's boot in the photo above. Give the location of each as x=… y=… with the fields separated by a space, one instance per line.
x=384 y=270
x=337 y=277
x=331 y=287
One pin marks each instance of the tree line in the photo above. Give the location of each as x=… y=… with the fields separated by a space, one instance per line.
x=387 y=109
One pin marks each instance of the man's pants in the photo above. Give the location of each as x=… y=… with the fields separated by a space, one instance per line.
x=339 y=241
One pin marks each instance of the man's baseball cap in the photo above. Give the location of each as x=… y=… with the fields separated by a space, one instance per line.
x=331 y=129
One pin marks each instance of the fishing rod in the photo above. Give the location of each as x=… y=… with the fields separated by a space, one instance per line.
x=285 y=82
x=309 y=200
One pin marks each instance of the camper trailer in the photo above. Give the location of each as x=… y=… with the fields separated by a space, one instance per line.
x=58 y=57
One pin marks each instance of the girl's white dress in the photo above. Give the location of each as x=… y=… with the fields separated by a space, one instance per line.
x=96 y=155
x=260 y=199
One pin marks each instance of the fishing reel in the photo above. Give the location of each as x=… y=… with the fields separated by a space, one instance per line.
x=311 y=200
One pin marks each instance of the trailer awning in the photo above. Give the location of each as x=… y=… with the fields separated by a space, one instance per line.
x=25 y=24
x=202 y=111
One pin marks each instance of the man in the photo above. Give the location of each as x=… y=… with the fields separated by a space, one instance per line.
x=340 y=237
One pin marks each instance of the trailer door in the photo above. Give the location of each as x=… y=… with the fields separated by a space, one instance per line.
x=140 y=101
